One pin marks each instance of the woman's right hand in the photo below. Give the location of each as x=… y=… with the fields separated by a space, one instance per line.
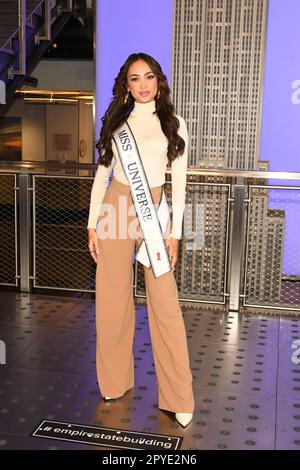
x=93 y=244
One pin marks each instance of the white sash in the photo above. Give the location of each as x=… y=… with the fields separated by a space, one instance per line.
x=153 y=249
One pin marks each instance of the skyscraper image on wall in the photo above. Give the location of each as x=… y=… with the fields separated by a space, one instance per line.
x=217 y=82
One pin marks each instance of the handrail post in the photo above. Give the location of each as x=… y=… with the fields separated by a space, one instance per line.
x=22 y=41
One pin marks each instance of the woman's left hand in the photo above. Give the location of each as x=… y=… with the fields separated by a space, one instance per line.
x=172 y=247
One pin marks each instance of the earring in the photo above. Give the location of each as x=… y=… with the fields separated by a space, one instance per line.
x=126 y=97
x=158 y=94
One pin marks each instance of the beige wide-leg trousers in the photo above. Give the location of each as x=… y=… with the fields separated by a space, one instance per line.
x=115 y=315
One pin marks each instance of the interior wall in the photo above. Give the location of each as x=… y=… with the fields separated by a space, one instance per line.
x=64 y=75
x=33 y=128
x=57 y=75
x=62 y=133
x=123 y=28
x=281 y=118
x=86 y=133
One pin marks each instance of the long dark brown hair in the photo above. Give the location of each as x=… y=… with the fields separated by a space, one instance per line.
x=118 y=111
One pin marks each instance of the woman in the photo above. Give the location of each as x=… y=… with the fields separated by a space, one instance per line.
x=140 y=97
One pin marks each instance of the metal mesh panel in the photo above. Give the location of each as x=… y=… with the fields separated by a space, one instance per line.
x=272 y=273
x=201 y=267
x=61 y=256
x=8 y=230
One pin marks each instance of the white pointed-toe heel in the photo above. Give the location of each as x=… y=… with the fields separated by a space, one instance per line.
x=112 y=398
x=106 y=398
x=184 y=418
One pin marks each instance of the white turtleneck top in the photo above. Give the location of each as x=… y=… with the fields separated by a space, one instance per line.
x=153 y=145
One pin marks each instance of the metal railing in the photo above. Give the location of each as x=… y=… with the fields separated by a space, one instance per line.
x=240 y=249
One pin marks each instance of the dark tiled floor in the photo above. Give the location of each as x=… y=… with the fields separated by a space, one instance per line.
x=246 y=386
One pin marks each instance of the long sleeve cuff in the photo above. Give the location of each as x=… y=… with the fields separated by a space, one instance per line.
x=178 y=171
x=177 y=218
